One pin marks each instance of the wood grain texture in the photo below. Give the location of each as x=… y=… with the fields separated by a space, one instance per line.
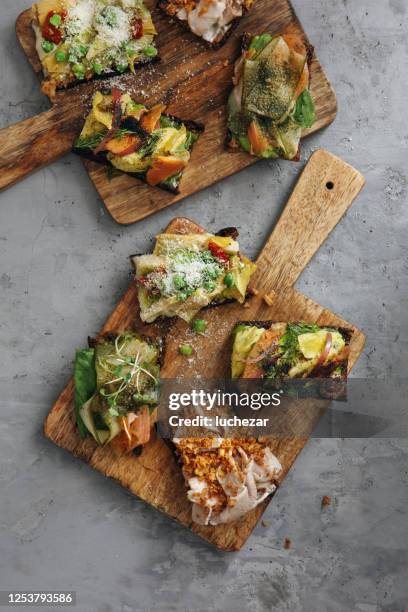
x=194 y=80
x=33 y=143
x=155 y=476
x=322 y=195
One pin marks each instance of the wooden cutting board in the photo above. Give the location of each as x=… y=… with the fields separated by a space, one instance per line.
x=324 y=192
x=195 y=80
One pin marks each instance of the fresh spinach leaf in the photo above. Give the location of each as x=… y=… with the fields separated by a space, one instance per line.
x=166 y=122
x=85 y=383
x=191 y=138
x=259 y=42
x=305 y=112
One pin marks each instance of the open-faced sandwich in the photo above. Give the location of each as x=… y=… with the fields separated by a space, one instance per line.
x=187 y=272
x=117 y=390
x=271 y=103
x=211 y=20
x=78 y=40
x=141 y=142
x=263 y=349
x=226 y=477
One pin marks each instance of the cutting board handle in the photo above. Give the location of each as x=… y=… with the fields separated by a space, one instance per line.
x=33 y=143
x=323 y=193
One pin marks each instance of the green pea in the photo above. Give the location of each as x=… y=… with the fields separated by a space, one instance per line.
x=179 y=281
x=199 y=326
x=78 y=70
x=229 y=280
x=83 y=50
x=213 y=273
x=55 y=20
x=150 y=51
x=186 y=350
x=97 y=68
x=209 y=286
x=47 y=46
x=60 y=56
x=122 y=67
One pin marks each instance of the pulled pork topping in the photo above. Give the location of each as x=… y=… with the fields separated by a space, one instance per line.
x=227 y=477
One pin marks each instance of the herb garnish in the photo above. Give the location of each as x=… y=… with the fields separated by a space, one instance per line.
x=127 y=370
x=90 y=142
x=289 y=343
x=149 y=146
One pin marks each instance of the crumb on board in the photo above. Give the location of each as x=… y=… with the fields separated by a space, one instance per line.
x=268 y=299
x=265 y=523
x=287 y=544
x=326 y=501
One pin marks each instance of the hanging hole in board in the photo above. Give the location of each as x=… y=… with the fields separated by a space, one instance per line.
x=329 y=185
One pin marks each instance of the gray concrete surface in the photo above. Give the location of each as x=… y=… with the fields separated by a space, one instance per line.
x=64 y=266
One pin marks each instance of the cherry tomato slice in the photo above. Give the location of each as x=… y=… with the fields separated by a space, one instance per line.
x=51 y=32
x=218 y=252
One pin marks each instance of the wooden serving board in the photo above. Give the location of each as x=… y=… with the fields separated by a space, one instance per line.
x=311 y=213
x=192 y=78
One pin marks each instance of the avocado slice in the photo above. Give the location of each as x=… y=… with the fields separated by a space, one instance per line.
x=246 y=336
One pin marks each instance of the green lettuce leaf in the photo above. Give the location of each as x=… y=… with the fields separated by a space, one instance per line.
x=85 y=383
x=305 y=112
x=259 y=42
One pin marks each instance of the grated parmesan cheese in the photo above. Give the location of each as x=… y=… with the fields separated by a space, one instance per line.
x=111 y=22
x=80 y=17
x=113 y=26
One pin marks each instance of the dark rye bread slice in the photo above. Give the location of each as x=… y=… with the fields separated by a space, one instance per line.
x=322 y=371
x=101 y=157
x=73 y=82
x=170 y=7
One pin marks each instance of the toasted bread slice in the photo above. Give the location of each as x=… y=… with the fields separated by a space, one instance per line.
x=80 y=40
x=265 y=349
